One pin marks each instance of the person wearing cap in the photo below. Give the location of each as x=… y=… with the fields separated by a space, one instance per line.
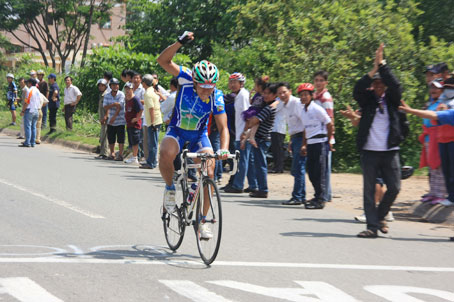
x=71 y=99
x=378 y=94
x=139 y=92
x=153 y=119
x=431 y=72
x=30 y=113
x=443 y=70
x=114 y=106
x=197 y=98
x=318 y=128
x=430 y=154
x=44 y=89
x=11 y=97
x=133 y=117
x=241 y=104
x=33 y=74
x=54 y=101
x=104 y=147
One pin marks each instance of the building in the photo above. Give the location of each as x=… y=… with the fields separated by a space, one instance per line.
x=100 y=36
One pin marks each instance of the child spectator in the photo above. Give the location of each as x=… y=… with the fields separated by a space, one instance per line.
x=257 y=103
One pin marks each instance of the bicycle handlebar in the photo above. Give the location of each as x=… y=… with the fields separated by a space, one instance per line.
x=235 y=157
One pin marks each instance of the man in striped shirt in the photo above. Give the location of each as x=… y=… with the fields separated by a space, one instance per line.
x=323 y=98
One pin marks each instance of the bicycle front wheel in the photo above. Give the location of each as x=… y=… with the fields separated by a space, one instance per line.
x=208 y=224
x=173 y=223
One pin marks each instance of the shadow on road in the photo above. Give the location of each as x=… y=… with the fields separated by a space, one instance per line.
x=327 y=235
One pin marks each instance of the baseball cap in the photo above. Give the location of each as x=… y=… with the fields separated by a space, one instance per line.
x=442 y=67
x=32 y=72
x=10 y=75
x=128 y=85
x=101 y=81
x=40 y=72
x=52 y=76
x=432 y=68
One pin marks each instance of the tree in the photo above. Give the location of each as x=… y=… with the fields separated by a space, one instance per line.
x=153 y=25
x=290 y=40
x=62 y=24
x=436 y=19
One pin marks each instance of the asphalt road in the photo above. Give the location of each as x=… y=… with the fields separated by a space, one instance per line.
x=73 y=228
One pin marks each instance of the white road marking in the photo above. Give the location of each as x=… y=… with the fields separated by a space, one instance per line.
x=395 y=293
x=323 y=291
x=193 y=291
x=59 y=202
x=25 y=290
x=55 y=251
x=157 y=261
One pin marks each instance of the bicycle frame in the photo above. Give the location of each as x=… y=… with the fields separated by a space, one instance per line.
x=188 y=208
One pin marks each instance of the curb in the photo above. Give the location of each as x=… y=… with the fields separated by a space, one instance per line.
x=433 y=213
x=56 y=141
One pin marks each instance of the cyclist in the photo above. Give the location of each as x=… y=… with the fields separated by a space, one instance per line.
x=197 y=98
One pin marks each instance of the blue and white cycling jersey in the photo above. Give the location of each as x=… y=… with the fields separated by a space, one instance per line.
x=191 y=112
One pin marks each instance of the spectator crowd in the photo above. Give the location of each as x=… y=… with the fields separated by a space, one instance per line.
x=259 y=122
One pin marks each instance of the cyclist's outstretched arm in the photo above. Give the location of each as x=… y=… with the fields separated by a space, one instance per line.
x=165 y=58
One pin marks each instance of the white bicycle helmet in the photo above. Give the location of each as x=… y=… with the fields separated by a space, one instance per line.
x=206 y=73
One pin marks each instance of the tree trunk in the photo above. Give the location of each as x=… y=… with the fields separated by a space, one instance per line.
x=87 y=37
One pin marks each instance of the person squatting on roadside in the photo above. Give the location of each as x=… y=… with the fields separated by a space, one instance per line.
x=378 y=94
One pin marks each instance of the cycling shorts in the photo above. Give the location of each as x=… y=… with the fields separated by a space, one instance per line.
x=196 y=140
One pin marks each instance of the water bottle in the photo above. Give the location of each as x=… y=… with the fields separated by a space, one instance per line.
x=192 y=190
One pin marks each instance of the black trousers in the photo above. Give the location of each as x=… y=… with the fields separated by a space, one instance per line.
x=53 y=117
x=277 y=144
x=373 y=164
x=69 y=112
x=317 y=159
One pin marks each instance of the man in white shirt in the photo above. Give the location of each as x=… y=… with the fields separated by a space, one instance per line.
x=292 y=110
x=318 y=127
x=139 y=92
x=30 y=112
x=236 y=85
x=277 y=139
x=168 y=104
x=72 y=98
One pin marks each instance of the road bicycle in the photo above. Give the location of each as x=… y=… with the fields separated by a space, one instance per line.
x=190 y=204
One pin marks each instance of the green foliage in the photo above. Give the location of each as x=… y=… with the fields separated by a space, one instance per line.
x=292 y=39
x=154 y=25
x=115 y=59
x=436 y=19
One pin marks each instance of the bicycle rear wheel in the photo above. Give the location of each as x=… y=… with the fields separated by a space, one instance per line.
x=209 y=247
x=173 y=223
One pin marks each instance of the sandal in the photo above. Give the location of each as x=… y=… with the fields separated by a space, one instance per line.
x=110 y=158
x=119 y=158
x=384 y=228
x=367 y=234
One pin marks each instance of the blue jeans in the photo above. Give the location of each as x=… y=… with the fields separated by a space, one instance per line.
x=298 y=169
x=447 y=165
x=44 y=121
x=30 y=119
x=215 y=139
x=153 y=136
x=328 y=195
x=243 y=165
x=261 y=166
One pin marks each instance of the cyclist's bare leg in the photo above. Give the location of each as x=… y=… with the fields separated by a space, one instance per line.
x=169 y=149
x=210 y=170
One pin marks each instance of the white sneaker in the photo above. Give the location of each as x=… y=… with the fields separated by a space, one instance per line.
x=205 y=232
x=389 y=217
x=169 y=200
x=361 y=218
x=132 y=160
x=447 y=203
